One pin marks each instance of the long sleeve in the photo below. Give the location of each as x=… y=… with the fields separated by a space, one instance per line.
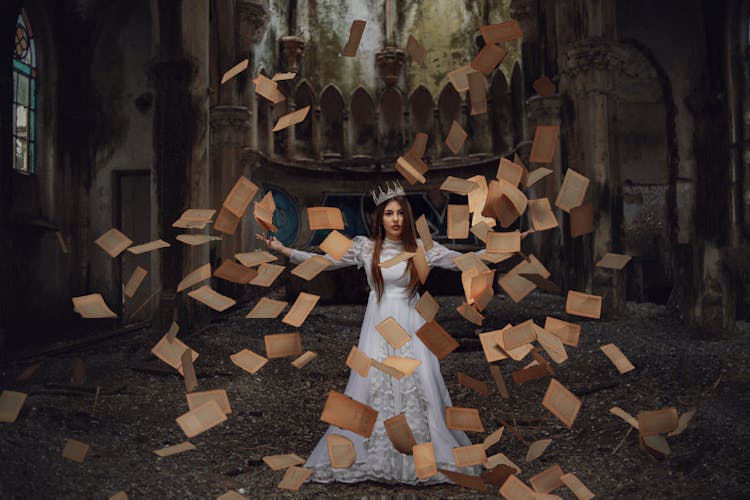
x=355 y=256
x=440 y=256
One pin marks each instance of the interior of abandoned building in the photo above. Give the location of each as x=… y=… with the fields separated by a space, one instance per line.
x=115 y=115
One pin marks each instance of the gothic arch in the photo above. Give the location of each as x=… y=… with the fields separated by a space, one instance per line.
x=449 y=106
x=422 y=113
x=304 y=133
x=332 y=122
x=362 y=123
x=263 y=110
x=391 y=123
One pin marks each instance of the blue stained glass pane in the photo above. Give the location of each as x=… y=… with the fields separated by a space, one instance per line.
x=32 y=126
x=22 y=90
x=32 y=94
x=20 y=66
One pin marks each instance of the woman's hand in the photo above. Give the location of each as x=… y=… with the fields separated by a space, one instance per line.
x=273 y=244
x=526 y=233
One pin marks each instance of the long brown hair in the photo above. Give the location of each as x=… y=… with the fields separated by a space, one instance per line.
x=408 y=238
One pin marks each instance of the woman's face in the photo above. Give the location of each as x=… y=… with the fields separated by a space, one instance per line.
x=393 y=220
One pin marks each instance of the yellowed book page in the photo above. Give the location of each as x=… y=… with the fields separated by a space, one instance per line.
x=477 y=93
x=406 y=167
x=226 y=221
x=475 y=385
x=509 y=172
x=358 y=361
x=267 y=274
x=615 y=355
x=515 y=195
x=463 y=419
x=572 y=191
x=576 y=486
x=504 y=242
x=61 y=242
x=393 y=332
x=542 y=216
x=456 y=137
x=325 y=218
x=424 y=232
x=497 y=376
x=657 y=421
x=465 y=480
x=252 y=259
x=248 y=360
x=213 y=299
x=416 y=50
x=683 y=422
x=268 y=89
x=280 y=77
x=436 y=339
x=341 y=451
x=234 y=71
x=175 y=449
x=582 y=220
x=460 y=77
x=614 y=261
x=515 y=489
x=548 y=480
x=403 y=256
x=196 y=239
x=419 y=146
x=281 y=345
x=488 y=58
x=404 y=365
x=195 y=218
x=518 y=335
x=493 y=438
x=420 y=263
x=545 y=143
x=336 y=245
x=92 y=306
x=536 y=449
x=188 y=370
x=28 y=372
x=75 y=450
x=518 y=287
x=291 y=119
x=568 y=333
x=458 y=186
x=561 y=403
x=113 y=242
x=492 y=351
x=424 y=460
x=536 y=175
x=387 y=369
x=196 y=399
x=300 y=309
x=544 y=86
x=311 y=267
x=470 y=314
x=195 y=277
x=11 y=403
x=427 y=306
x=552 y=345
x=466 y=456
x=481 y=230
x=501 y=459
x=304 y=359
x=171 y=352
x=201 y=419
x=503 y=32
x=458 y=222
x=582 y=304
x=267 y=308
x=264 y=216
x=400 y=433
x=148 y=247
x=342 y=411
x=240 y=196
x=616 y=410
x=356 y=30
x=294 y=478
x=230 y=270
x=280 y=462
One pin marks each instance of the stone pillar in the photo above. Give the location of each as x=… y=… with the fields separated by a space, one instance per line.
x=526 y=13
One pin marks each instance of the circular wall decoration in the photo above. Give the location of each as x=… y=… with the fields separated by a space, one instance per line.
x=286 y=217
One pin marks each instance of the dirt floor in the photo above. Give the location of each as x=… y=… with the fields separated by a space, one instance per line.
x=277 y=410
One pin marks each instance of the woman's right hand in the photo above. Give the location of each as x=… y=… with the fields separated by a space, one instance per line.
x=272 y=243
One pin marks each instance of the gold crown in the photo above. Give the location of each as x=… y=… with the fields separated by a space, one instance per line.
x=392 y=190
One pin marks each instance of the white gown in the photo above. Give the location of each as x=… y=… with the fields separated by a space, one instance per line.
x=423 y=395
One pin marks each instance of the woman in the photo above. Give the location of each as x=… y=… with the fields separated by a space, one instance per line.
x=423 y=395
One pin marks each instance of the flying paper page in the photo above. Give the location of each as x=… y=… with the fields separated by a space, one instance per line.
x=419 y=146
x=522 y=333
x=488 y=58
x=551 y=344
x=358 y=361
x=616 y=410
x=548 y=480
x=236 y=273
x=263 y=215
x=416 y=50
x=393 y=332
x=465 y=480
x=458 y=186
x=576 y=486
x=342 y=411
x=336 y=245
x=545 y=143
x=469 y=313
x=300 y=309
x=436 y=339
x=515 y=489
x=148 y=247
x=340 y=451
x=541 y=214
x=544 y=86
x=355 y=35
x=497 y=475
x=186 y=362
x=427 y=306
x=683 y=422
x=572 y=191
x=240 y=196
x=92 y=306
x=252 y=259
x=325 y=218
x=267 y=274
x=518 y=287
x=196 y=399
x=195 y=277
x=424 y=460
x=171 y=352
x=174 y=450
x=404 y=256
x=460 y=78
x=581 y=304
x=456 y=137
x=113 y=242
x=497 y=376
x=458 y=221
x=75 y=450
x=248 y=360
x=536 y=449
x=477 y=93
x=530 y=373
x=472 y=383
x=201 y=418
x=267 y=308
x=400 y=433
x=280 y=462
x=493 y=438
x=568 y=333
x=503 y=32
x=536 y=175
x=234 y=71
x=407 y=166
x=492 y=351
x=509 y=172
x=28 y=372
x=561 y=403
x=615 y=355
x=614 y=261
x=466 y=456
x=657 y=421
x=213 y=299
x=311 y=267
x=303 y=360
x=280 y=77
x=292 y=118
x=501 y=459
x=269 y=89
x=581 y=220
x=194 y=218
x=504 y=242
x=226 y=221
x=514 y=195
x=420 y=264
x=294 y=478
x=463 y=419
x=424 y=232
x=281 y=345
x=11 y=403
x=196 y=239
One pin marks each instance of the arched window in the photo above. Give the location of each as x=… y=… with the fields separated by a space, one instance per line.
x=263 y=109
x=304 y=144
x=450 y=110
x=516 y=96
x=391 y=130
x=332 y=126
x=501 y=110
x=362 y=123
x=421 y=109
x=24 y=96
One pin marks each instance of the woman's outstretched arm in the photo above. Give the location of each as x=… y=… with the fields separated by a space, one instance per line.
x=352 y=257
x=440 y=256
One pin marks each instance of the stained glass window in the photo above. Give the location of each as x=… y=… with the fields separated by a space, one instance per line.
x=24 y=96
